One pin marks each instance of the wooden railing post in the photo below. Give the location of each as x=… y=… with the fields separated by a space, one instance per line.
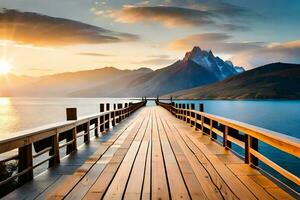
x=254 y=145
x=193 y=115
x=176 y=112
x=102 y=118
x=25 y=163
x=97 y=130
x=210 y=129
x=126 y=110
x=172 y=108
x=54 y=151
x=180 y=111
x=215 y=125
x=231 y=132
x=225 y=133
x=72 y=135
x=187 y=113
x=119 y=112
x=107 y=118
x=130 y=108
x=184 y=113
x=202 y=124
x=86 y=137
x=113 y=118
x=250 y=142
x=201 y=109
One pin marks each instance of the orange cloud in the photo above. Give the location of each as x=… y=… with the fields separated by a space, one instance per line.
x=283 y=52
x=217 y=42
x=42 y=30
x=246 y=54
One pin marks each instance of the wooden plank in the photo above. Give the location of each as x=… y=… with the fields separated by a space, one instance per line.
x=229 y=158
x=259 y=191
x=217 y=168
x=176 y=183
x=159 y=189
x=136 y=180
x=263 y=181
x=245 y=173
x=232 y=181
x=242 y=169
x=206 y=179
x=118 y=184
x=86 y=182
x=146 y=193
x=102 y=183
x=188 y=164
x=279 y=194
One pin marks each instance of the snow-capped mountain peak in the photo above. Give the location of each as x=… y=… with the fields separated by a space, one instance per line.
x=222 y=69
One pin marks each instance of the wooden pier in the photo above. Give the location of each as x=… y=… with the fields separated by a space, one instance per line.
x=150 y=155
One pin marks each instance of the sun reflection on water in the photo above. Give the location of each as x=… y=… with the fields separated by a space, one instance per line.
x=8 y=117
x=4 y=101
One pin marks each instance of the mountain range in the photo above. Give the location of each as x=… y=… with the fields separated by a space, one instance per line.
x=272 y=81
x=197 y=68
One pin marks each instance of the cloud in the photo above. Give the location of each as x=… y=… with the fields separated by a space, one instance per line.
x=246 y=54
x=169 y=16
x=42 y=30
x=282 y=52
x=222 y=8
x=173 y=16
x=217 y=42
x=156 y=60
x=93 y=54
x=233 y=27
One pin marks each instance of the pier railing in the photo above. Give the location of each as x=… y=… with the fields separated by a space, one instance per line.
x=243 y=135
x=50 y=139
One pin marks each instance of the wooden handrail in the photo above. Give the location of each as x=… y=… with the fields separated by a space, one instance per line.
x=47 y=138
x=230 y=130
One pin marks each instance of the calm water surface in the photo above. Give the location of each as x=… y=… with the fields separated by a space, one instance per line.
x=282 y=116
x=18 y=114
x=279 y=116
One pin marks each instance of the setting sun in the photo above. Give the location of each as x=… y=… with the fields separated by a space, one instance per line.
x=5 y=67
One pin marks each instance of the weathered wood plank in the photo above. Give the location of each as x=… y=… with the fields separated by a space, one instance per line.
x=202 y=187
x=101 y=185
x=118 y=184
x=243 y=172
x=176 y=183
x=217 y=168
x=137 y=176
x=159 y=189
x=103 y=154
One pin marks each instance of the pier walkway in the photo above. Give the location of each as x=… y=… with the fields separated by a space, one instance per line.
x=151 y=155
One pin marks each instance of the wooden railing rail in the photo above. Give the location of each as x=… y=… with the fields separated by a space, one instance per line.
x=242 y=134
x=49 y=139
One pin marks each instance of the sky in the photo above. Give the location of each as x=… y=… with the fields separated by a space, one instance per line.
x=39 y=37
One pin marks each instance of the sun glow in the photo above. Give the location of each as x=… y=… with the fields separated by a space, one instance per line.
x=4 y=101
x=5 y=67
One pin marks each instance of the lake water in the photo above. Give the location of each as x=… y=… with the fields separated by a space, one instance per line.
x=282 y=116
x=279 y=116
x=18 y=114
